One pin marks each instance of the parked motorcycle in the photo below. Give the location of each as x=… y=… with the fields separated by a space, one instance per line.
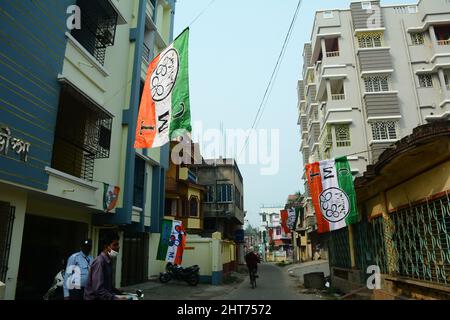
x=190 y=275
x=56 y=291
x=139 y=295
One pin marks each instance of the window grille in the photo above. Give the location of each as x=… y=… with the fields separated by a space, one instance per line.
x=339 y=249
x=422 y=241
x=426 y=81
x=82 y=134
x=385 y=130
x=370 y=40
x=417 y=39
x=376 y=83
x=98 y=27
x=343 y=136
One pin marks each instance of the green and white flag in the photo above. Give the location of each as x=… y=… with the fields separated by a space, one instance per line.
x=333 y=193
x=164 y=113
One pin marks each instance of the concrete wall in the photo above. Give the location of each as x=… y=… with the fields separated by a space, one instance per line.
x=2 y=291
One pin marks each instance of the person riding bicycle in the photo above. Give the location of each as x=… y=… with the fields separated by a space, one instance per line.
x=252 y=260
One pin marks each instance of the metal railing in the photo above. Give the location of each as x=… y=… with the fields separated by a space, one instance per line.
x=146 y=55
x=333 y=54
x=444 y=42
x=336 y=97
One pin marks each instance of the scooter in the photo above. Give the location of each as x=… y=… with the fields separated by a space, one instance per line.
x=190 y=274
x=56 y=291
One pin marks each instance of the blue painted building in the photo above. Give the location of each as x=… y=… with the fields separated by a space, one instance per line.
x=68 y=110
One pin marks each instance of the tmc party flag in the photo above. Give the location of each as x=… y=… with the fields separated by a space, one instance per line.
x=164 y=113
x=172 y=242
x=292 y=219
x=333 y=194
x=110 y=197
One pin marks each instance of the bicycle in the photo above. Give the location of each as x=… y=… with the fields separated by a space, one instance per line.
x=253 y=278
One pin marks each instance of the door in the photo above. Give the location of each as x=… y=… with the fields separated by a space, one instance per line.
x=135 y=258
x=47 y=244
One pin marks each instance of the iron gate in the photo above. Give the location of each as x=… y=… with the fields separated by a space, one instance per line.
x=6 y=226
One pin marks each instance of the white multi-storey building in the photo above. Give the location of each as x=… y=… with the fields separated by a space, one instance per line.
x=371 y=74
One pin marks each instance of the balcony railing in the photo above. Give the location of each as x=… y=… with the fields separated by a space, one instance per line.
x=335 y=97
x=150 y=8
x=146 y=55
x=444 y=42
x=333 y=54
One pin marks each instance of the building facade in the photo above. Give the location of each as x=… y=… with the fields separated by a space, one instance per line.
x=371 y=75
x=223 y=205
x=402 y=236
x=69 y=104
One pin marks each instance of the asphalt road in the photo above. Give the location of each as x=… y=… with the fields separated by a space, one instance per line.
x=273 y=284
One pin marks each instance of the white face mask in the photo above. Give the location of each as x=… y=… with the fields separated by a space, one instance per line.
x=113 y=254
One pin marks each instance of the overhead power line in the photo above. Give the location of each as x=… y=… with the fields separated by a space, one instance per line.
x=273 y=78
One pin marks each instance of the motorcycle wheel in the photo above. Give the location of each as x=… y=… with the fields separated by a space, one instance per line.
x=164 y=278
x=193 y=279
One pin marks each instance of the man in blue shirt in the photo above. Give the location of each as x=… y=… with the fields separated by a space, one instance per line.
x=77 y=272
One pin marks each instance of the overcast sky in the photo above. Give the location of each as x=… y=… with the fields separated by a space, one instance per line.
x=234 y=46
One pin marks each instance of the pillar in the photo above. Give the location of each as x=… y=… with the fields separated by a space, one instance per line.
x=388 y=229
x=433 y=36
x=324 y=48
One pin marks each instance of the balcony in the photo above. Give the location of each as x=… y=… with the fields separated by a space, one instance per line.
x=146 y=59
x=337 y=97
x=188 y=175
x=333 y=54
x=150 y=9
x=443 y=42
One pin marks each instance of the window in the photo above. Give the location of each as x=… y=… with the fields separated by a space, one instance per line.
x=370 y=40
x=98 y=27
x=82 y=134
x=139 y=181
x=426 y=81
x=417 y=39
x=278 y=230
x=264 y=218
x=366 y=5
x=376 y=83
x=209 y=194
x=328 y=14
x=193 y=207
x=171 y=207
x=343 y=136
x=237 y=197
x=384 y=130
x=224 y=193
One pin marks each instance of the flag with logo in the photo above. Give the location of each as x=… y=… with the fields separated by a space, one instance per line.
x=110 y=196
x=164 y=113
x=172 y=242
x=292 y=219
x=333 y=194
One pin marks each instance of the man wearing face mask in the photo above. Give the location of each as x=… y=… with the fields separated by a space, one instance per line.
x=77 y=272
x=100 y=279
